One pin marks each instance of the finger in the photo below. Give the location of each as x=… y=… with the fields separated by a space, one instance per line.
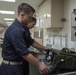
x=48 y=70
x=44 y=71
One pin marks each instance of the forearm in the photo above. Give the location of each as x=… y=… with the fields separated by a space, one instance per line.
x=38 y=46
x=31 y=59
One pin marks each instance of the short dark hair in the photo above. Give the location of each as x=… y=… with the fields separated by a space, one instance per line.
x=34 y=19
x=26 y=8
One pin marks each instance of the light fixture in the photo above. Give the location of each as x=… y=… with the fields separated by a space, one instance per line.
x=8 y=0
x=10 y=19
x=7 y=12
x=8 y=22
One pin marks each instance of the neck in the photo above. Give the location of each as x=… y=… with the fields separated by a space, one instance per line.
x=19 y=20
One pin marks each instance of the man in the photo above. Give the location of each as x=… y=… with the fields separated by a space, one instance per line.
x=16 y=42
x=26 y=68
x=32 y=23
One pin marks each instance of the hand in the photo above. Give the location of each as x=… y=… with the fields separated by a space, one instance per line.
x=47 y=49
x=43 y=69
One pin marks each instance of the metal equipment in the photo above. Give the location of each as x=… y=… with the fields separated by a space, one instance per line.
x=58 y=60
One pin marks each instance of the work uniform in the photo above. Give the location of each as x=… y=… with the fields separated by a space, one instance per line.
x=16 y=42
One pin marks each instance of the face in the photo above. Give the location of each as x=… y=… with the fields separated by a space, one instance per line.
x=26 y=18
x=31 y=25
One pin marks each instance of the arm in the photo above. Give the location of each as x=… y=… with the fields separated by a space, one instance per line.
x=38 y=46
x=31 y=59
x=41 y=66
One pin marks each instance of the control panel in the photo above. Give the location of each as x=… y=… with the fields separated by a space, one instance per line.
x=73 y=25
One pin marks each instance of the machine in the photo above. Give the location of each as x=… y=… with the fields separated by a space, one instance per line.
x=60 y=61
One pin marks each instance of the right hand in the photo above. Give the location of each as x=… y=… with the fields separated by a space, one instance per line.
x=43 y=68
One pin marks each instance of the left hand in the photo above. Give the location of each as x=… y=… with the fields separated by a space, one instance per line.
x=45 y=49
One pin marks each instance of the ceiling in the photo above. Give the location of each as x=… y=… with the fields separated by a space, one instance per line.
x=12 y=6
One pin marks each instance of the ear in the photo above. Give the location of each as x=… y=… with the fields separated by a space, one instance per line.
x=22 y=15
